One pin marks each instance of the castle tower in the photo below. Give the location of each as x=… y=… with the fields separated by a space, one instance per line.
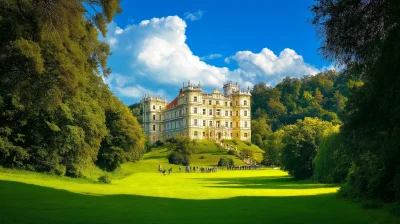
x=153 y=125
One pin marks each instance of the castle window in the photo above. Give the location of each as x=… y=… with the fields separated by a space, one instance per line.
x=230 y=103
x=218 y=124
x=204 y=123
x=245 y=113
x=209 y=102
x=195 y=110
x=154 y=117
x=217 y=102
x=245 y=135
x=245 y=102
x=226 y=103
x=231 y=123
x=210 y=112
x=195 y=99
x=210 y=123
x=195 y=122
x=226 y=124
x=195 y=133
x=186 y=99
x=226 y=113
x=231 y=135
x=154 y=127
x=218 y=112
x=160 y=107
x=237 y=113
x=154 y=107
x=230 y=112
x=245 y=124
x=186 y=109
x=204 y=111
x=204 y=134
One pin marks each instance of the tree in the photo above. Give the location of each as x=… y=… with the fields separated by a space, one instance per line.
x=301 y=142
x=363 y=37
x=54 y=103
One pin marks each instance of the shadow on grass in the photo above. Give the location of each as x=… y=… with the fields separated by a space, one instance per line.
x=264 y=183
x=23 y=203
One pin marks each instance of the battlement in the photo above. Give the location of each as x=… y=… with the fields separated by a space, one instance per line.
x=148 y=97
x=191 y=87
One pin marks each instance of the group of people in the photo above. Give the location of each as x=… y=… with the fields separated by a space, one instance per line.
x=189 y=169
x=247 y=167
x=164 y=171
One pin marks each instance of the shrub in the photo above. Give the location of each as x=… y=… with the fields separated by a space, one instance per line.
x=179 y=158
x=247 y=143
x=158 y=143
x=105 y=179
x=224 y=161
x=371 y=204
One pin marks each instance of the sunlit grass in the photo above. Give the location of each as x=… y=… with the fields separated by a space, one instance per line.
x=139 y=194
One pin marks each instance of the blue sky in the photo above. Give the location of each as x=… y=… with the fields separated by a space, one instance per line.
x=157 y=45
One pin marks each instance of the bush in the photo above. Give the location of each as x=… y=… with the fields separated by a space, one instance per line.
x=179 y=158
x=105 y=179
x=158 y=143
x=224 y=161
x=248 y=143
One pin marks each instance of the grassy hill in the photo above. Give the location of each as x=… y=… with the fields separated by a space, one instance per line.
x=258 y=153
x=139 y=194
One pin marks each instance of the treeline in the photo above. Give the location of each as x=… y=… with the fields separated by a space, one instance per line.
x=56 y=113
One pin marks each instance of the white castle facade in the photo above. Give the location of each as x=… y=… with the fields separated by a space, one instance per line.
x=199 y=115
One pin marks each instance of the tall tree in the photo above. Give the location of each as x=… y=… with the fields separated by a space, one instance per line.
x=363 y=36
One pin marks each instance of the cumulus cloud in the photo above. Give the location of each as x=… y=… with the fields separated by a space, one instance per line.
x=272 y=67
x=155 y=51
x=194 y=16
x=210 y=57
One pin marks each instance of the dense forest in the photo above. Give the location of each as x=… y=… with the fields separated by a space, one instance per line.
x=57 y=115
x=340 y=128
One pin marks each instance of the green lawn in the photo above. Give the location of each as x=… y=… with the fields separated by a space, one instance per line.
x=141 y=195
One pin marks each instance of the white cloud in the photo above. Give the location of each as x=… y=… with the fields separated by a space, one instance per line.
x=155 y=52
x=194 y=16
x=272 y=67
x=210 y=57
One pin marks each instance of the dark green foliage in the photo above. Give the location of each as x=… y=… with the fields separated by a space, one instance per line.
x=158 y=143
x=301 y=143
x=224 y=161
x=182 y=148
x=105 y=179
x=178 y=158
x=331 y=163
x=231 y=152
x=364 y=37
x=56 y=111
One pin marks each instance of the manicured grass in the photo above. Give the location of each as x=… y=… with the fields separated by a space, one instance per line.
x=145 y=196
x=258 y=153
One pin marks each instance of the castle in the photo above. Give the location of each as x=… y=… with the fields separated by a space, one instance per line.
x=198 y=115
